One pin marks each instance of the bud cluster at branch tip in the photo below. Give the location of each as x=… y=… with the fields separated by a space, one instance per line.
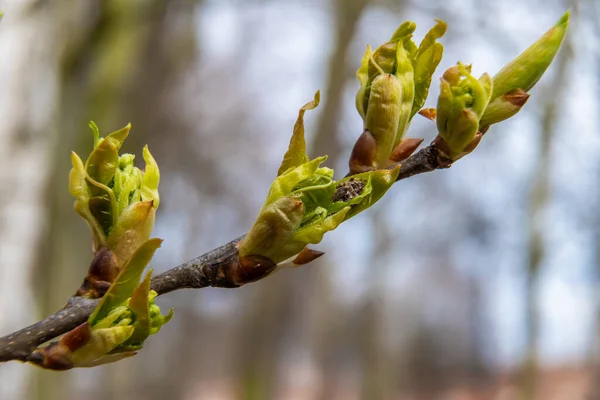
x=395 y=81
x=117 y=200
x=119 y=325
x=305 y=202
x=461 y=103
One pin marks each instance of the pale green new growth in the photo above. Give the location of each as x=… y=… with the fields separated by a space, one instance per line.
x=300 y=208
x=461 y=103
x=516 y=78
x=394 y=82
x=117 y=200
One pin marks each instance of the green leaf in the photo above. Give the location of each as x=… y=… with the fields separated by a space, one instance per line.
x=102 y=163
x=362 y=75
x=286 y=182
x=138 y=303
x=314 y=232
x=127 y=280
x=316 y=191
x=425 y=63
x=150 y=179
x=133 y=227
x=296 y=153
x=79 y=189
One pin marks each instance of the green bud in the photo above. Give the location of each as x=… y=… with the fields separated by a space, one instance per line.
x=383 y=115
x=274 y=226
x=461 y=103
x=116 y=199
x=83 y=347
x=127 y=280
x=522 y=73
x=387 y=105
x=304 y=203
x=133 y=228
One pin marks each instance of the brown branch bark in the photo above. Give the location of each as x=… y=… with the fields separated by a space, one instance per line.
x=220 y=267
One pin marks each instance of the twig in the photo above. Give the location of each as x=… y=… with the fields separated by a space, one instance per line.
x=220 y=267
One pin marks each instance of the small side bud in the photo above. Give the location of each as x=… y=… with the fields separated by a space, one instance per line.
x=405 y=148
x=363 y=153
x=461 y=103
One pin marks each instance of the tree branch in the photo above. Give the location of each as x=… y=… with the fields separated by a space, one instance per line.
x=220 y=267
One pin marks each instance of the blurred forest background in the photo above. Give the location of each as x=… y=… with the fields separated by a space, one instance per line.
x=478 y=282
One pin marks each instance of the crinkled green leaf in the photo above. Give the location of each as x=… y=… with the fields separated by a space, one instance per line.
x=405 y=74
x=363 y=77
x=127 y=280
x=114 y=317
x=317 y=190
x=313 y=233
x=296 y=153
x=157 y=320
x=425 y=62
x=102 y=163
x=126 y=181
x=138 y=303
x=150 y=179
x=285 y=183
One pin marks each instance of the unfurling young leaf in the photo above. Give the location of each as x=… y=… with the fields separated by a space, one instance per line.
x=394 y=82
x=117 y=200
x=121 y=322
x=305 y=202
x=296 y=154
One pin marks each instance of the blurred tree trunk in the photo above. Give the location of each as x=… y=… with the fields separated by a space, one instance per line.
x=31 y=77
x=113 y=48
x=376 y=357
x=540 y=195
x=265 y=319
